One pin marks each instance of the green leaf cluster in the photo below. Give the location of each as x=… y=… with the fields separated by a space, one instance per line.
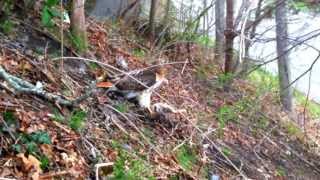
x=224 y=78
x=6 y=26
x=186 y=157
x=304 y=6
x=6 y=8
x=77 y=120
x=225 y=114
x=9 y=117
x=30 y=143
x=48 y=13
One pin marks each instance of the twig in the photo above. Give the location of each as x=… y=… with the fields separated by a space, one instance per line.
x=305 y=72
x=179 y=145
x=306 y=104
x=120 y=126
x=8 y=128
x=67 y=130
x=184 y=65
x=284 y=53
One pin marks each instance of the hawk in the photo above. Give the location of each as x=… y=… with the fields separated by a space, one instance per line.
x=139 y=85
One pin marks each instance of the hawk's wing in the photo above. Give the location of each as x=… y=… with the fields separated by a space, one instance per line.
x=147 y=77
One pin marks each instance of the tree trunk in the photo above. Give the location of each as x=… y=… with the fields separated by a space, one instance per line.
x=229 y=35
x=78 y=25
x=205 y=22
x=220 y=26
x=250 y=32
x=152 y=19
x=283 y=57
x=167 y=15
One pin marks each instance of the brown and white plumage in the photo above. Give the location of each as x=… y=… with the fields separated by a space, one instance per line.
x=139 y=85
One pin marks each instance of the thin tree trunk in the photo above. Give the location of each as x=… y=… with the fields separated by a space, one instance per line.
x=131 y=6
x=78 y=25
x=251 y=34
x=229 y=35
x=220 y=27
x=167 y=15
x=283 y=60
x=204 y=32
x=152 y=19
x=197 y=19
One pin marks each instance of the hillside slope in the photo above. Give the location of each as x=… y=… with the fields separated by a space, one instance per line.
x=240 y=133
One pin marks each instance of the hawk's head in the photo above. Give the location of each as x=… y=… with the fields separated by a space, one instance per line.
x=161 y=72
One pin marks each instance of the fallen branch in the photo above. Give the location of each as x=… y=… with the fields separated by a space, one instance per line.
x=23 y=86
x=53 y=174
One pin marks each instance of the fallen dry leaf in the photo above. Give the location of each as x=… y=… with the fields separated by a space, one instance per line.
x=31 y=165
x=47 y=150
x=104 y=85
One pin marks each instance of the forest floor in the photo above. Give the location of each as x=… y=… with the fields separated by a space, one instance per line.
x=237 y=134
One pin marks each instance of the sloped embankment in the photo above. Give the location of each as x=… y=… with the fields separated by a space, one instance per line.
x=230 y=134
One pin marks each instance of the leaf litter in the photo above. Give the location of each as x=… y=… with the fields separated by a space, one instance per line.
x=164 y=144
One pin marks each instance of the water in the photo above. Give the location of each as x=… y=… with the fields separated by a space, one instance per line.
x=301 y=57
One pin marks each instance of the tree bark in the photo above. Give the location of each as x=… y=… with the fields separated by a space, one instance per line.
x=167 y=15
x=205 y=22
x=283 y=57
x=229 y=35
x=78 y=25
x=152 y=19
x=250 y=32
x=220 y=27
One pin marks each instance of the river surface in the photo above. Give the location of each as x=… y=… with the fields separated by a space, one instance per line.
x=301 y=57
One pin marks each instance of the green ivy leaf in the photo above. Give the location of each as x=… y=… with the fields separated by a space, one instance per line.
x=44 y=162
x=31 y=147
x=46 y=17
x=9 y=117
x=17 y=148
x=54 y=13
x=41 y=137
x=51 y=3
